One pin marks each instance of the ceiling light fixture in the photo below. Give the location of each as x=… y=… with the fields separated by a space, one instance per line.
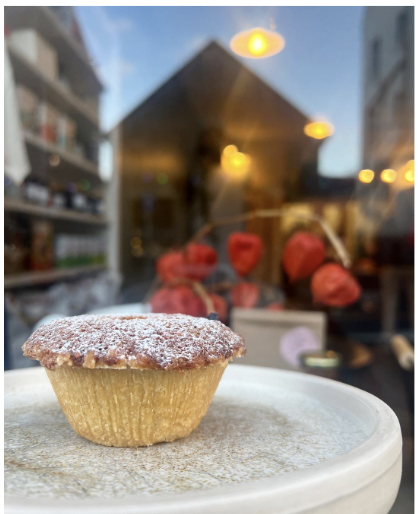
x=257 y=43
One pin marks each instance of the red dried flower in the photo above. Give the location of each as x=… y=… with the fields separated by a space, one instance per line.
x=244 y=252
x=302 y=255
x=332 y=285
x=171 y=265
x=245 y=294
x=201 y=260
x=177 y=300
x=196 y=263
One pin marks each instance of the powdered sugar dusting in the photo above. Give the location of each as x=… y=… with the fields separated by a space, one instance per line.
x=157 y=341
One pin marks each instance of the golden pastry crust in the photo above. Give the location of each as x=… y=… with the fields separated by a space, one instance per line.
x=146 y=341
x=131 y=407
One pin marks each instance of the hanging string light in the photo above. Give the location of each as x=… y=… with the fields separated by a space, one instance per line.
x=388 y=176
x=409 y=173
x=366 y=176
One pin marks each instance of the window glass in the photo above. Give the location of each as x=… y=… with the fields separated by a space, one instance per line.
x=251 y=163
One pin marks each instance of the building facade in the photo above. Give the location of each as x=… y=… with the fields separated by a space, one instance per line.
x=388 y=91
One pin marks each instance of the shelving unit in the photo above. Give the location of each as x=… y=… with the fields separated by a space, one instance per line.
x=47 y=23
x=27 y=74
x=32 y=278
x=12 y=205
x=77 y=100
x=70 y=159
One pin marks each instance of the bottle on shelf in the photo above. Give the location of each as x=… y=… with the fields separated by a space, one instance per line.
x=36 y=191
x=73 y=250
x=48 y=122
x=41 y=252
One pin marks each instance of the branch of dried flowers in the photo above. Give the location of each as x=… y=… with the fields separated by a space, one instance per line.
x=278 y=213
x=200 y=290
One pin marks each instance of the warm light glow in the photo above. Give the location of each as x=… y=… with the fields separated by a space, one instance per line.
x=388 y=176
x=318 y=129
x=136 y=246
x=366 y=176
x=257 y=43
x=230 y=150
x=239 y=160
x=409 y=174
x=235 y=163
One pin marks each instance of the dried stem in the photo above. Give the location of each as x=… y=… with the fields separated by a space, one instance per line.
x=278 y=213
x=200 y=290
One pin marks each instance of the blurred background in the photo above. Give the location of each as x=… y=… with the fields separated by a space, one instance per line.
x=253 y=161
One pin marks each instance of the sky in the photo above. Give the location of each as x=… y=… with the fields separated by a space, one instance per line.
x=136 y=49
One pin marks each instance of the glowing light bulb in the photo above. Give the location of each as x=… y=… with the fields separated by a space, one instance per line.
x=388 y=176
x=318 y=129
x=236 y=163
x=257 y=44
x=230 y=150
x=366 y=176
x=409 y=174
x=238 y=160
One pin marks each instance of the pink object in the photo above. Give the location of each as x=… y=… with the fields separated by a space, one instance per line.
x=295 y=342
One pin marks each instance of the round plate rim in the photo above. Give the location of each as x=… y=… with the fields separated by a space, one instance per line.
x=362 y=465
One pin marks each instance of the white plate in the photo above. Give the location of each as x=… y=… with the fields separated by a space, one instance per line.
x=272 y=442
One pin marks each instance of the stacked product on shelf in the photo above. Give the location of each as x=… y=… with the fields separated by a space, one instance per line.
x=43 y=120
x=16 y=244
x=33 y=246
x=39 y=116
x=79 y=250
x=42 y=246
x=66 y=133
x=38 y=51
x=48 y=121
x=28 y=107
x=75 y=197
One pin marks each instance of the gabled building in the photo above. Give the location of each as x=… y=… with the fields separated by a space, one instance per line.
x=169 y=157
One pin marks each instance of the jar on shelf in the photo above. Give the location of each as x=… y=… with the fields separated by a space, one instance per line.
x=57 y=196
x=36 y=191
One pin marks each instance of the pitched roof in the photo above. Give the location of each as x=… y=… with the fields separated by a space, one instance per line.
x=216 y=88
